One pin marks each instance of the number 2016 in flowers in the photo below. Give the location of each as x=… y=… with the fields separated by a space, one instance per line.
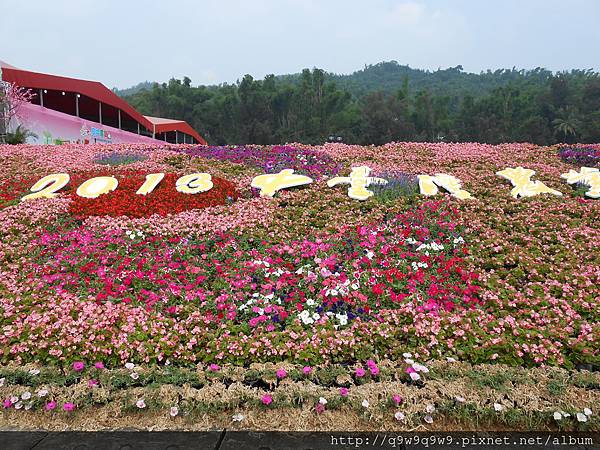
x=358 y=181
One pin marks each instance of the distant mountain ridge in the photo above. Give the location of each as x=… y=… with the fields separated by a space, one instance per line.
x=390 y=76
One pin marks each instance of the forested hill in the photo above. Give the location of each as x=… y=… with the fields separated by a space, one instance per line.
x=385 y=102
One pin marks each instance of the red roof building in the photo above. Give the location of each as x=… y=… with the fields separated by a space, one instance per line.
x=94 y=102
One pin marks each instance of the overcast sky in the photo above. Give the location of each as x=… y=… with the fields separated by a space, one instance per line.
x=123 y=42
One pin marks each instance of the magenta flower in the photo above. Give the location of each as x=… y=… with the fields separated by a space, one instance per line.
x=50 y=405
x=7 y=403
x=281 y=373
x=99 y=365
x=92 y=383
x=306 y=370
x=69 y=406
x=397 y=399
x=360 y=372
x=214 y=367
x=320 y=408
x=78 y=366
x=266 y=399
x=344 y=392
x=374 y=370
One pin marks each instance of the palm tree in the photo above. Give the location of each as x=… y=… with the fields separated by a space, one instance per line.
x=567 y=124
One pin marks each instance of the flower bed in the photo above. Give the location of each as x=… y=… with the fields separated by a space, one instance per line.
x=311 y=277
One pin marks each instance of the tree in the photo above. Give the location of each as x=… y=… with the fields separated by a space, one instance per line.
x=12 y=100
x=567 y=124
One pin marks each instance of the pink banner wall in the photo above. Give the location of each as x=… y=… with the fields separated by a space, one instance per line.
x=53 y=127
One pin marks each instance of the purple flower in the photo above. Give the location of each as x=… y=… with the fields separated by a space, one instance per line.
x=397 y=399
x=99 y=365
x=344 y=392
x=78 y=366
x=68 y=406
x=360 y=372
x=281 y=373
x=306 y=370
x=266 y=399
x=214 y=367
x=50 y=405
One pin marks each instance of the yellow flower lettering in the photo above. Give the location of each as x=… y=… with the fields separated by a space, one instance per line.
x=95 y=187
x=269 y=184
x=523 y=186
x=358 y=180
x=194 y=183
x=428 y=185
x=589 y=176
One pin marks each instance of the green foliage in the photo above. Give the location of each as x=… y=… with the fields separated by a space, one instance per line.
x=19 y=136
x=385 y=102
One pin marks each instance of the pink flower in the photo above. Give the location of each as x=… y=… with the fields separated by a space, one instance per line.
x=7 y=403
x=69 y=406
x=92 y=383
x=374 y=370
x=99 y=365
x=397 y=399
x=360 y=372
x=50 y=405
x=306 y=370
x=344 y=392
x=78 y=366
x=281 y=373
x=410 y=369
x=214 y=367
x=320 y=408
x=266 y=399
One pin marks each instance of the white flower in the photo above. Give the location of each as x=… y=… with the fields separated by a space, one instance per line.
x=42 y=392
x=2 y=380
x=173 y=411
x=459 y=399
x=19 y=405
x=415 y=376
x=322 y=400
x=587 y=411
x=129 y=366
x=370 y=254
x=407 y=355
x=428 y=419
x=430 y=408
x=134 y=375
x=557 y=415
x=238 y=417
x=26 y=395
x=140 y=403
x=34 y=371
x=365 y=403
x=28 y=406
x=310 y=302
x=409 y=361
x=450 y=359
x=498 y=407
x=565 y=414
x=581 y=417
x=399 y=416
x=14 y=399
x=128 y=232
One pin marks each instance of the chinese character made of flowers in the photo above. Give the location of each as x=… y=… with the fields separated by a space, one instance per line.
x=589 y=176
x=523 y=186
x=358 y=180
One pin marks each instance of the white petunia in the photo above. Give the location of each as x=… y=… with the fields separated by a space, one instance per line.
x=26 y=395
x=430 y=408
x=42 y=392
x=581 y=417
x=498 y=407
x=129 y=366
x=415 y=376
x=459 y=399
x=399 y=416
x=140 y=403
x=34 y=371
x=587 y=411
x=365 y=403
x=557 y=415
x=2 y=381
x=428 y=419
x=173 y=411
x=322 y=400
x=134 y=375
x=238 y=417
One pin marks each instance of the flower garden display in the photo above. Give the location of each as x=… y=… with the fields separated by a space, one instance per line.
x=376 y=284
